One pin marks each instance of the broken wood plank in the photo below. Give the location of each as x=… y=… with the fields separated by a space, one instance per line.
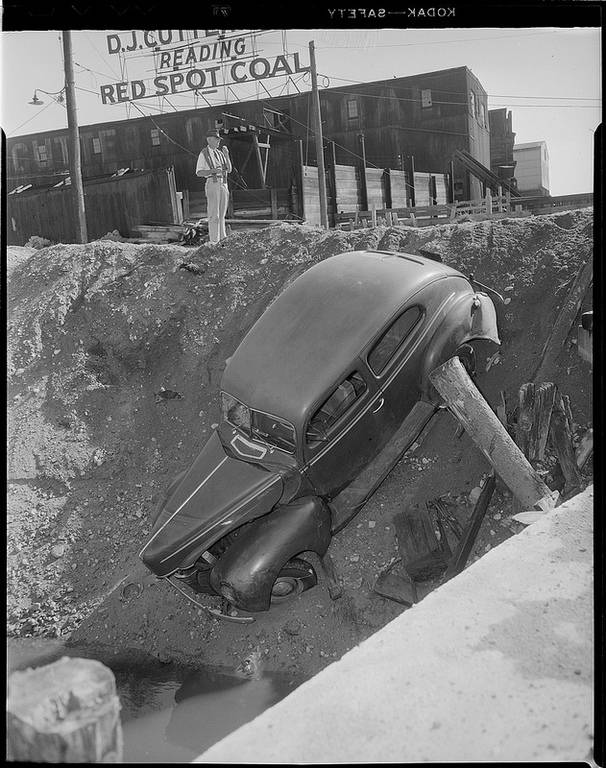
x=483 y=426
x=422 y=554
x=471 y=530
x=561 y=440
x=397 y=588
x=64 y=712
x=535 y=406
x=564 y=320
x=584 y=449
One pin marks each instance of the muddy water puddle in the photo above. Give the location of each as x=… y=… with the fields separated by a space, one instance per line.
x=170 y=713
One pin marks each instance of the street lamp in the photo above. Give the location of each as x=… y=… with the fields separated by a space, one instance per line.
x=56 y=95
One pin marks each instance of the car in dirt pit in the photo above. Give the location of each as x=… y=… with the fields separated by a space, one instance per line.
x=321 y=398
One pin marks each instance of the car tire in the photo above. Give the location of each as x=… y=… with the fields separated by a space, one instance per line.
x=295 y=577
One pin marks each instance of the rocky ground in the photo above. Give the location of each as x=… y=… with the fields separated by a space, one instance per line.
x=99 y=333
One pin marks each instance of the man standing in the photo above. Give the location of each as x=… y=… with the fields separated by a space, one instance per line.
x=214 y=164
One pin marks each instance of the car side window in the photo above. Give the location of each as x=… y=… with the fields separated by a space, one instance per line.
x=339 y=402
x=385 y=348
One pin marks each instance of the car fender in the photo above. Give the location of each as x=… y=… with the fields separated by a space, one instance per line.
x=471 y=317
x=246 y=572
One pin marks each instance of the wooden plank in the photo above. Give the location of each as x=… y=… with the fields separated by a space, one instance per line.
x=561 y=440
x=65 y=712
x=483 y=426
x=584 y=449
x=534 y=414
x=564 y=320
x=471 y=530
x=423 y=556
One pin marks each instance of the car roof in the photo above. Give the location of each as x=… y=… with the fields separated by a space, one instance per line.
x=309 y=335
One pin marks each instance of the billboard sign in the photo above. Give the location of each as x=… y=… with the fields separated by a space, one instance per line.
x=196 y=60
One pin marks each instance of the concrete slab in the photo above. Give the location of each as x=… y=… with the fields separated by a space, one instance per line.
x=496 y=665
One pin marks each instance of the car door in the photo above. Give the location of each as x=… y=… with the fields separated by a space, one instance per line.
x=394 y=360
x=344 y=431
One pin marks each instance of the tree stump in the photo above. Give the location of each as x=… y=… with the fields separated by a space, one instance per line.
x=483 y=426
x=65 y=712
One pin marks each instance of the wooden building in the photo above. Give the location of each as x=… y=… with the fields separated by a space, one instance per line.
x=502 y=140
x=407 y=123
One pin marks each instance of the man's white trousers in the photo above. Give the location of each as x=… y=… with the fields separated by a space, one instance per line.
x=217 y=195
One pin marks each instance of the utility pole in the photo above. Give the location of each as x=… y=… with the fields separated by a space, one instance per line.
x=317 y=118
x=75 y=163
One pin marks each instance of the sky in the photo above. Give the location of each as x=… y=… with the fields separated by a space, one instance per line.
x=550 y=79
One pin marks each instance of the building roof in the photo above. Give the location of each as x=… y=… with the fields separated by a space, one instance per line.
x=304 y=342
x=529 y=145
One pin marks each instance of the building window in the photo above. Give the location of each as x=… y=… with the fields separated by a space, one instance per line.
x=96 y=142
x=426 y=98
x=41 y=152
x=352 y=109
x=385 y=348
x=483 y=110
x=155 y=137
x=472 y=102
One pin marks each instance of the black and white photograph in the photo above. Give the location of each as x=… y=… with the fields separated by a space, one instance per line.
x=300 y=386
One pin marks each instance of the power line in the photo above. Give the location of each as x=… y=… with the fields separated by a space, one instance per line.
x=29 y=119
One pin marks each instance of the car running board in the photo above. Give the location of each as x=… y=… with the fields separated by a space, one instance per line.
x=348 y=503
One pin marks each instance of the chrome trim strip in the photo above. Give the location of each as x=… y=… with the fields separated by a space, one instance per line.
x=261 y=450
x=193 y=493
x=222 y=521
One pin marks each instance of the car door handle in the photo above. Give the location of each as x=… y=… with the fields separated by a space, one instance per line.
x=381 y=403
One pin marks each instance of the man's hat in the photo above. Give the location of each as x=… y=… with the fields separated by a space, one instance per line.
x=213 y=132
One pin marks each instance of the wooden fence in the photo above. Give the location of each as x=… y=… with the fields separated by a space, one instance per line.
x=349 y=187
x=121 y=202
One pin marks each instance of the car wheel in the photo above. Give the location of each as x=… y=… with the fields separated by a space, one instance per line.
x=295 y=577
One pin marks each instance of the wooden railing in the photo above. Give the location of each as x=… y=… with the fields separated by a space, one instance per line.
x=429 y=215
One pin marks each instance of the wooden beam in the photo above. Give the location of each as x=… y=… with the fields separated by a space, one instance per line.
x=564 y=320
x=258 y=156
x=65 y=712
x=534 y=414
x=584 y=449
x=483 y=426
x=472 y=528
x=561 y=440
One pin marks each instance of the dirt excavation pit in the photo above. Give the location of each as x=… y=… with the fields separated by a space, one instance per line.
x=115 y=356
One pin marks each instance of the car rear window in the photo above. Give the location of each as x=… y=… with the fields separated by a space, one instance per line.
x=385 y=348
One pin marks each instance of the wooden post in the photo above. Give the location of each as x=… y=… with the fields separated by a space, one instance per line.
x=363 y=184
x=75 y=160
x=373 y=215
x=332 y=174
x=387 y=186
x=301 y=179
x=273 y=196
x=394 y=218
x=584 y=449
x=488 y=199
x=317 y=120
x=65 y=712
x=500 y=199
x=561 y=441
x=534 y=414
x=472 y=528
x=483 y=426
x=568 y=311
x=451 y=183
x=413 y=197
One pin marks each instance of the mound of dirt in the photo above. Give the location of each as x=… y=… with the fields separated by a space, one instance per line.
x=100 y=333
